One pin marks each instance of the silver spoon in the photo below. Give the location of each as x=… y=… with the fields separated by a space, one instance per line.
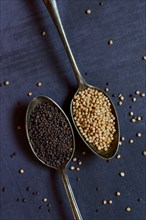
x=112 y=150
x=61 y=169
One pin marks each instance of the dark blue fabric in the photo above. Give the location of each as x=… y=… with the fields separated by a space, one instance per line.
x=28 y=58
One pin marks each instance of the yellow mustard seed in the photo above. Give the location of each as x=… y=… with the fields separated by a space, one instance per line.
x=139 y=118
x=131 y=141
x=43 y=33
x=72 y=168
x=142 y=94
x=39 y=84
x=133 y=120
x=74 y=159
x=88 y=11
x=118 y=193
x=104 y=202
x=78 y=169
x=110 y=42
x=6 y=83
x=137 y=92
x=144 y=153
x=21 y=171
x=131 y=113
x=110 y=201
x=118 y=156
x=123 y=138
x=138 y=134
x=134 y=99
x=122 y=174
x=106 y=89
x=120 y=103
x=144 y=57
x=128 y=209
x=121 y=98
x=45 y=199
x=29 y=93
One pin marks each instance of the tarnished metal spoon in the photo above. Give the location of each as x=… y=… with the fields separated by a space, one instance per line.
x=112 y=150
x=61 y=169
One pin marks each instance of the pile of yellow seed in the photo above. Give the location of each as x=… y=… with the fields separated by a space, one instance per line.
x=93 y=117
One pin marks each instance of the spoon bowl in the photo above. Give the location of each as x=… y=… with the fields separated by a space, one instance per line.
x=112 y=150
x=62 y=168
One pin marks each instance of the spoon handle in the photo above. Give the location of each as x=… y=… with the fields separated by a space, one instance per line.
x=70 y=195
x=53 y=10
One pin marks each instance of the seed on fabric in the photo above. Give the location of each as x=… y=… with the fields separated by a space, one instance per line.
x=122 y=138
x=138 y=134
x=83 y=153
x=120 y=103
x=50 y=135
x=78 y=169
x=131 y=113
x=72 y=168
x=137 y=92
x=45 y=199
x=21 y=171
x=43 y=33
x=104 y=202
x=117 y=193
x=133 y=120
x=106 y=89
x=142 y=94
x=121 y=98
x=101 y=3
x=110 y=42
x=139 y=118
x=131 y=141
x=128 y=209
x=122 y=174
x=29 y=93
x=28 y=188
x=39 y=84
x=144 y=57
x=120 y=143
x=144 y=153
x=110 y=201
x=118 y=156
x=134 y=99
x=88 y=11
x=6 y=83
x=79 y=163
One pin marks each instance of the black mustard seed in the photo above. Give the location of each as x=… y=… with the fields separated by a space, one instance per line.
x=50 y=135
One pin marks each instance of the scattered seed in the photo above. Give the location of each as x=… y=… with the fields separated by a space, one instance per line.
x=79 y=163
x=106 y=89
x=29 y=93
x=24 y=200
x=122 y=174
x=142 y=94
x=133 y=120
x=6 y=83
x=110 y=201
x=118 y=156
x=21 y=171
x=104 y=202
x=144 y=153
x=131 y=113
x=88 y=11
x=123 y=138
x=138 y=134
x=120 y=143
x=120 y=103
x=3 y=189
x=43 y=33
x=101 y=4
x=74 y=159
x=78 y=169
x=121 y=98
x=128 y=209
x=39 y=84
x=117 y=193
x=131 y=141
x=72 y=168
x=139 y=118
x=137 y=92
x=144 y=57
x=134 y=99
x=110 y=42
x=28 y=189
x=45 y=199
x=83 y=153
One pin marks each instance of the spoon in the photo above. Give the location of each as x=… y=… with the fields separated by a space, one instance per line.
x=62 y=169
x=82 y=85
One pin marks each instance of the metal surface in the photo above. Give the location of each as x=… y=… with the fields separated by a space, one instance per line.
x=112 y=150
x=62 y=169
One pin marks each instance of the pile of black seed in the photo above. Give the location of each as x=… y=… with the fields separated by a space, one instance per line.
x=50 y=135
